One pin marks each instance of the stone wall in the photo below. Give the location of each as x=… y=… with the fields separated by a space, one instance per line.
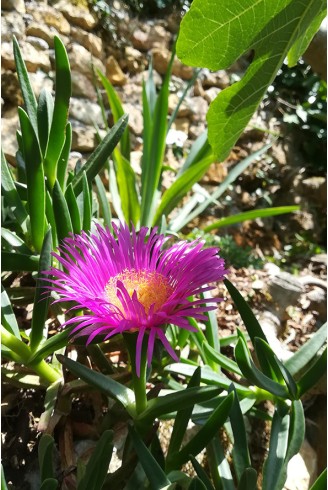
x=36 y=23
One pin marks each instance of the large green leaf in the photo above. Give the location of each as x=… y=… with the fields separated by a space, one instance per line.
x=126 y=181
x=214 y=35
x=61 y=212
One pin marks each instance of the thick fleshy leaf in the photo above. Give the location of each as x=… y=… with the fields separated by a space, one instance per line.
x=35 y=180
x=176 y=401
x=44 y=114
x=97 y=466
x=179 y=223
x=51 y=218
x=226 y=32
x=182 y=419
x=208 y=376
x=222 y=360
x=201 y=473
x=240 y=453
x=313 y=374
x=197 y=484
x=99 y=157
x=249 y=215
x=73 y=209
x=11 y=195
x=104 y=383
x=295 y=438
x=19 y=262
x=156 y=476
x=51 y=345
x=12 y=242
x=206 y=433
x=321 y=482
x=252 y=325
x=153 y=153
x=248 y=479
x=57 y=133
x=273 y=367
x=49 y=484
x=61 y=211
x=64 y=157
x=253 y=374
x=117 y=112
x=173 y=195
x=41 y=300
x=8 y=318
x=126 y=181
x=3 y=480
x=45 y=455
x=211 y=325
x=25 y=85
x=87 y=200
x=219 y=466
x=104 y=202
x=307 y=352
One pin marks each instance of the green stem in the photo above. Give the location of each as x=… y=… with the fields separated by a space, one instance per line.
x=23 y=354
x=139 y=382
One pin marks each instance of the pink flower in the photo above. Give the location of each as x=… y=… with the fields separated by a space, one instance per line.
x=130 y=283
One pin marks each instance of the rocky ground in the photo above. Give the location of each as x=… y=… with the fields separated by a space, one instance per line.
x=291 y=307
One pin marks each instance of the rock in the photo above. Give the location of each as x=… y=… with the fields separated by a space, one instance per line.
x=199 y=107
x=33 y=58
x=78 y=16
x=83 y=137
x=161 y=60
x=134 y=60
x=211 y=94
x=318 y=302
x=40 y=80
x=218 y=79
x=50 y=16
x=12 y=24
x=181 y=124
x=135 y=159
x=150 y=37
x=85 y=111
x=17 y=5
x=114 y=72
x=273 y=328
x=184 y=109
x=89 y=41
x=82 y=86
x=285 y=289
x=10 y=124
x=10 y=89
x=176 y=137
x=38 y=43
x=81 y=60
x=135 y=118
x=314 y=189
x=302 y=469
x=47 y=33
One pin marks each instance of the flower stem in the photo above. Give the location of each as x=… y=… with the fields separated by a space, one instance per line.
x=139 y=382
x=22 y=355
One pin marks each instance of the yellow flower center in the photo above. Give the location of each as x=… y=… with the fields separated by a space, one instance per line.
x=152 y=288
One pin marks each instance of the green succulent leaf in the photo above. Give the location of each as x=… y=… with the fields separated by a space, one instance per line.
x=99 y=157
x=321 y=482
x=41 y=301
x=64 y=157
x=44 y=115
x=313 y=374
x=222 y=360
x=104 y=202
x=73 y=209
x=61 y=212
x=57 y=133
x=156 y=476
x=16 y=262
x=45 y=454
x=8 y=318
x=97 y=466
x=248 y=479
x=104 y=383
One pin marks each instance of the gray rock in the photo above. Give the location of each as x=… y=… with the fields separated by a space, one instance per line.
x=50 y=16
x=135 y=118
x=82 y=86
x=78 y=16
x=302 y=469
x=10 y=89
x=38 y=43
x=83 y=137
x=40 y=80
x=33 y=58
x=17 y=5
x=12 y=24
x=150 y=36
x=85 y=111
x=318 y=302
x=81 y=60
x=89 y=41
x=45 y=32
x=285 y=290
x=9 y=125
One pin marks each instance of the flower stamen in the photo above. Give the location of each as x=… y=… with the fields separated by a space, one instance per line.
x=151 y=287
